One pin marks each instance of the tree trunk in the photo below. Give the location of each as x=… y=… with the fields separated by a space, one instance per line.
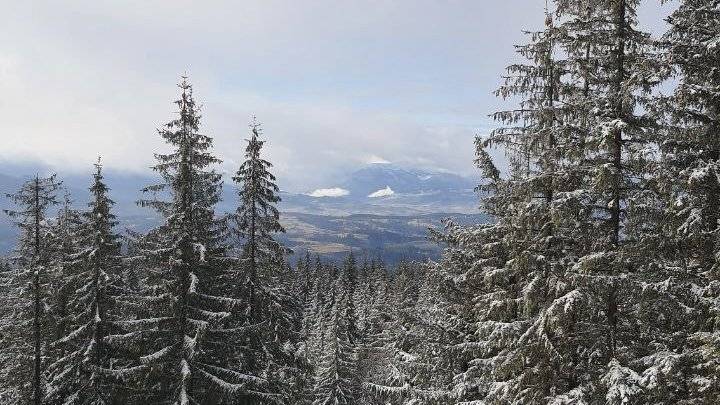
x=615 y=211
x=37 y=308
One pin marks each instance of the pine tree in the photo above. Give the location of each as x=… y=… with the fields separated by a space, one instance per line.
x=90 y=282
x=404 y=361
x=257 y=217
x=25 y=330
x=350 y=274
x=66 y=244
x=180 y=331
x=528 y=297
x=337 y=382
x=270 y=314
x=689 y=180
x=618 y=273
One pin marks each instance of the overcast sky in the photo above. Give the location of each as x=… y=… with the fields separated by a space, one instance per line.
x=336 y=84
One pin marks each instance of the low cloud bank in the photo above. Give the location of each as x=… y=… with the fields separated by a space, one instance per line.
x=329 y=192
x=387 y=191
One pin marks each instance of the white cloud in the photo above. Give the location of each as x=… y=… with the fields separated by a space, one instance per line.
x=329 y=192
x=387 y=191
x=375 y=159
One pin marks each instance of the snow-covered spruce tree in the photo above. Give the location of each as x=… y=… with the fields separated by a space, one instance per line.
x=180 y=329
x=404 y=361
x=66 y=244
x=619 y=279
x=304 y=277
x=505 y=294
x=350 y=276
x=25 y=328
x=89 y=284
x=379 y=332
x=336 y=372
x=689 y=170
x=306 y=283
x=270 y=315
x=318 y=311
x=14 y=387
x=378 y=302
x=315 y=321
x=257 y=217
x=454 y=303
x=289 y=367
x=10 y=391
x=363 y=296
x=525 y=311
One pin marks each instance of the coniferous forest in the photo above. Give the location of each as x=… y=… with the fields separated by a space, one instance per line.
x=597 y=280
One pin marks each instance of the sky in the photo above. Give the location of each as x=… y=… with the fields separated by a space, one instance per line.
x=336 y=84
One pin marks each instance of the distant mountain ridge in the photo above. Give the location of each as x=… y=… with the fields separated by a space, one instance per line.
x=314 y=223
x=388 y=189
x=401 y=180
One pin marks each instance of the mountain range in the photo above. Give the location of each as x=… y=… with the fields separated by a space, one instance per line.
x=387 y=189
x=383 y=210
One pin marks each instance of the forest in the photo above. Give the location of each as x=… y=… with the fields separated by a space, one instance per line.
x=596 y=281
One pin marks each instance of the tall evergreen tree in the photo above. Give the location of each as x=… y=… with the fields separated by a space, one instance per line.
x=527 y=298
x=317 y=323
x=180 y=331
x=350 y=276
x=270 y=314
x=337 y=379
x=66 y=245
x=404 y=357
x=617 y=273
x=26 y=329
x=257 y=217
x=91 y=283
x=575 y=219
x=691 y=187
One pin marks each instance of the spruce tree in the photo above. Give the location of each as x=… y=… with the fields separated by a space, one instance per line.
x=404 y=361
x=66 y=244
x=618 y=274
x=270 y=315
x=25 y=329
x=527 y=297
x=180 y=330
x=350 y=275
x=317 y=323
x=689 y=182
x=90 y=281
x=336 y=374
x=307 y=281
x=257 y=217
